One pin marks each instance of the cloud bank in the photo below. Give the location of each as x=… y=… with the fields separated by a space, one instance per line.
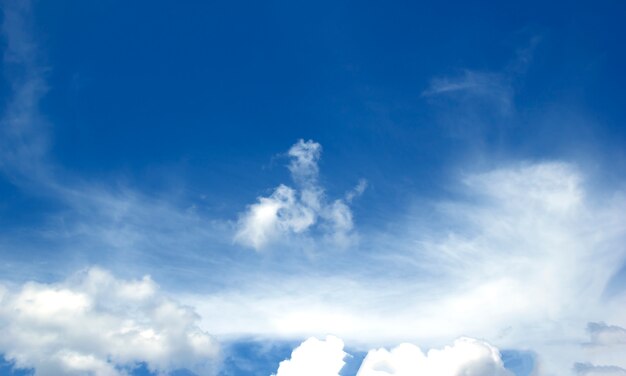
x=465 y=357
x=94 y=323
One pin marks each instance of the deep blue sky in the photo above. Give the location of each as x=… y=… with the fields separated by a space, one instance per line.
x=207 y=92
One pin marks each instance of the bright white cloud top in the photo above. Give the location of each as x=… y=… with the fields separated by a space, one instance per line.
x=315 y=357
x=465 y=357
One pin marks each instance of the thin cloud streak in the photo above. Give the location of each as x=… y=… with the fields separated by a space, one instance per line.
x=494 y=88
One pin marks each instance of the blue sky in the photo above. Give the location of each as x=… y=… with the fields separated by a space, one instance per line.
x=210 y=186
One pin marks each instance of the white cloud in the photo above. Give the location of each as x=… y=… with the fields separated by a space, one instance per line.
x=272 y=216
x=288 y=211
x=473 y=103
x=522 y=260
x=315 y=357
x=465 y=357
x=303 y=166
x=94 y=324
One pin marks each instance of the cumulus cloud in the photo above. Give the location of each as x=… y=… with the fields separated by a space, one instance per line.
x=94 y=323
x=465 y=357
x=315 y=357
x=292 y=211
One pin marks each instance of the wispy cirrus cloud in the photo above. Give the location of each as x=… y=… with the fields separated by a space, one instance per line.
x=491 y=88
x=494 y=86
x=122 y=226
x=473 y=82
x=476 y=103
x=23 y=139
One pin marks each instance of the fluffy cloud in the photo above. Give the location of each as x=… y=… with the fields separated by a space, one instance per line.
x=315 y=357
x=465 y=357
x=289 y=211
x=96 y=324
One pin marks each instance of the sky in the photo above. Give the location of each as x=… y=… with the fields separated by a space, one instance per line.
x=330 y=188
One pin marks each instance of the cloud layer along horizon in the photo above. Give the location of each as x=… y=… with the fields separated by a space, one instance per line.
x=96 y=324
x=466 y=356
